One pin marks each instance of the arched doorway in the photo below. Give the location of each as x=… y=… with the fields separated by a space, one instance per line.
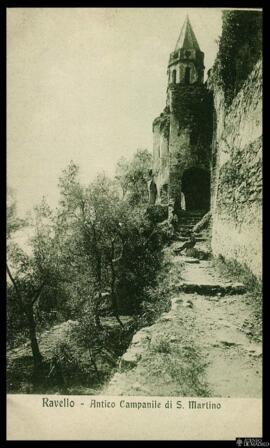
x=196 y=188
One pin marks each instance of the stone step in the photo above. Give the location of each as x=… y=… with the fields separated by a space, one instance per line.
x=185 y=217
x=185 y=238
x=192 y=222
x=185 y=226
x=187 y=233
x=191 y=260
x=192 y=212
x=189 y=218
x=212 y=288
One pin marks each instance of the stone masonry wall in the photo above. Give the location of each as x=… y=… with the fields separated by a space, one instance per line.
x=190 y=132
x=237 y=174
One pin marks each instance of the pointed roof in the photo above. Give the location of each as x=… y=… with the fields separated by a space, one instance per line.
x=187 y=38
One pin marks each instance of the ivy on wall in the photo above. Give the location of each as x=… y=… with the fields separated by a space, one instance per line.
x=240 y=181
x=163 y=121
x=193 y=106
x=240 y=47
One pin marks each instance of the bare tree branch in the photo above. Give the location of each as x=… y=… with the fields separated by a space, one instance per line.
x=18 y=293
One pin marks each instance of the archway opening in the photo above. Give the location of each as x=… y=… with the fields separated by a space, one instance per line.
x=196 y=188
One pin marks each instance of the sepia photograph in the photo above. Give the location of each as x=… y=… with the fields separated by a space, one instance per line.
x=134 y=205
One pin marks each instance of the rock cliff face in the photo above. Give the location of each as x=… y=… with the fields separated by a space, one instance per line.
x=236 y=201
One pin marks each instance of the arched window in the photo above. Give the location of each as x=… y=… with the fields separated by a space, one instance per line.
x=187 y=75
x=174 y=76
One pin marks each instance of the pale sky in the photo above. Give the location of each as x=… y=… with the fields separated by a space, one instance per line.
x=85 y=84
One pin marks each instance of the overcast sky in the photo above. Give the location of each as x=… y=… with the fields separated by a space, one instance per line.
x=86 y=84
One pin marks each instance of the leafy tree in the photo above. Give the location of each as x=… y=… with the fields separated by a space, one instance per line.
x=89 y=217
x=30 y=274
x=14 y=223
x=133 y=176
x=112 y=242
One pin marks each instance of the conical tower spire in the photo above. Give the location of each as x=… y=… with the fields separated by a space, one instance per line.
x=187 y=38
x=186 y=61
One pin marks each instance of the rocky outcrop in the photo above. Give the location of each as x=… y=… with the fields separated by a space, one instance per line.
x=133 y=354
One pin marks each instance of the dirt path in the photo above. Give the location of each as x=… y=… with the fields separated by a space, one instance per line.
x=202 y=347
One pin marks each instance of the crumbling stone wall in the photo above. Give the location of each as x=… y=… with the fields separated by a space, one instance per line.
x=237 y=173
x=161 y=128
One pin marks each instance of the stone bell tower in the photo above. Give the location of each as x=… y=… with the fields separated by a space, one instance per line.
x=183 y=131
x=186 y=61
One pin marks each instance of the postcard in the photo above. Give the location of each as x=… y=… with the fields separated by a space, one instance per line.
x=134 y=224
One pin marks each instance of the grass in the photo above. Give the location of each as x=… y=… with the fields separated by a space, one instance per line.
x=176 y=362
x=161 y=345
x=183 y=372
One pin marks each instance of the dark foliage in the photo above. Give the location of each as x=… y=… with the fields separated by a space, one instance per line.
x=240 y=47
